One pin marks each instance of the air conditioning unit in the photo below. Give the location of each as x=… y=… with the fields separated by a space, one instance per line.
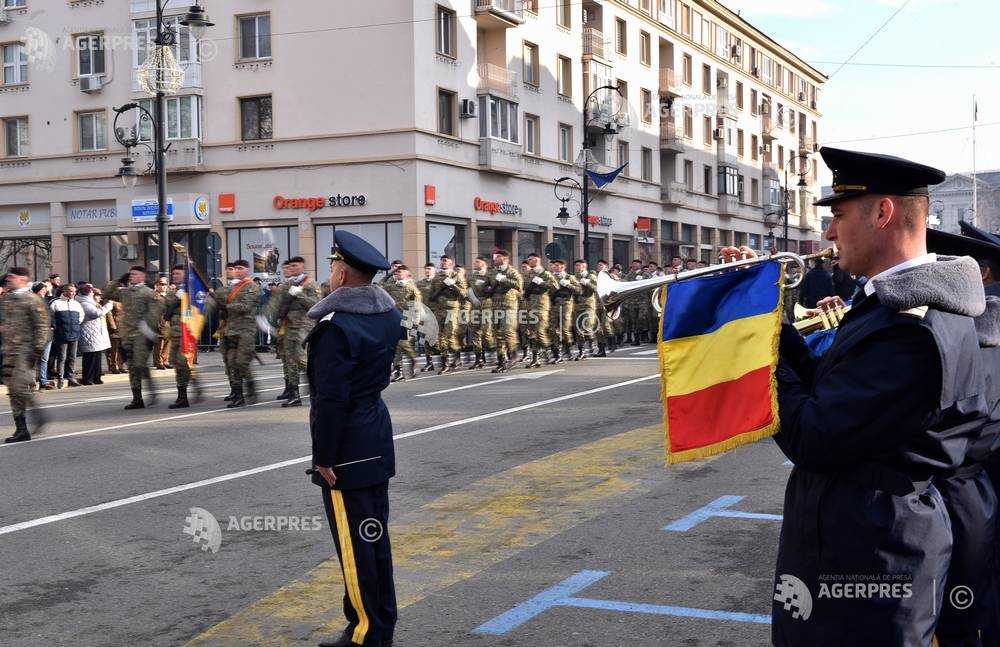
x=468 y=108
x=91 y=84
x=722 y=82
x=812 y=104
x=718 y=134
x=802 y=96
x=4 y=16
x=766 y=148
x=128 y=252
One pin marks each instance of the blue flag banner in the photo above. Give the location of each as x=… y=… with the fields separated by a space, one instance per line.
x=602 y=179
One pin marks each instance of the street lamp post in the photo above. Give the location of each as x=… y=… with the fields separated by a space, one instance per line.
x=785 y=205
x=585 y=190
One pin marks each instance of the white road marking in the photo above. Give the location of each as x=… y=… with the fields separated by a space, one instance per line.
x=630 y=359
x=62 y=516
x=520 y=376
x=646 y=352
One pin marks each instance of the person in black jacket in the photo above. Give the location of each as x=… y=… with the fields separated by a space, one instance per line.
x=866 y=538
x=816 y=284
x=350 y=353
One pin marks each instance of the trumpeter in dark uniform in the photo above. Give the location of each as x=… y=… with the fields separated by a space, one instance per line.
x=866 y=539
x=350 y=354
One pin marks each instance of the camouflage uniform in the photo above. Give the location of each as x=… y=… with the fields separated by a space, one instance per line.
x=561 y=315
x=481 y=316
x=539 y=305
x=240 y=338
x=446 y=301
x=25 y=322
x=221 y=295
x=504 y=309
x=424 y=287
x=140 y=305
x=588 y=324
x=633 y=310
x=408 y=300
x=289 y=314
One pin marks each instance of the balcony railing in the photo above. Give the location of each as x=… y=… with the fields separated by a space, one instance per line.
x=669 y=81
x=671 y=140
x=183 y=155
x=493 y=78
x=676 y=193
x=500 y=13
x=192 y=76
x=593 y=42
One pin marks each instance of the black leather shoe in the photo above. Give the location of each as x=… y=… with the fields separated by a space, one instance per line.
x=343 y=641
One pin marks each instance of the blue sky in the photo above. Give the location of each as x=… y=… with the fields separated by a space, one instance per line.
x=861 y=103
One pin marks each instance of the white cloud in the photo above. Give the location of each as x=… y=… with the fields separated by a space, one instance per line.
x=784 y=8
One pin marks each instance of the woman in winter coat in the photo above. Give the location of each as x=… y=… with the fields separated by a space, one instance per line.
x=94 y=337
x=67 y=315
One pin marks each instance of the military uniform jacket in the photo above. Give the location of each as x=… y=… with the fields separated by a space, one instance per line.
x=25 y=321
x=507 y=291
x=424 y=286
x=292 y=310
x=139 y=304
x=405 y=294
x=350 y=354
x=241 y=308
x=445 y=296
x=588 y=291
x=538 y=295
x=892 y=404
x=482 y=285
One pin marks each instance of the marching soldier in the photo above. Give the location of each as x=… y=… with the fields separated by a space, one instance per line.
x=652 y=319
x=447 y=290
x=24 y=326
x=561 y=317
x=172 y=314
x=523 y=332
x=142 y=311
x=408 y=301
x=390 y=275
x=241 y=334
x=221 y=295
x=425 y=285
x=289 y=305
x=538 y=287
x=585 y=305
x=465 y=314
x=481 y=285
x=632 y=306
x=507 y=288
x=606 y=333
x=270 y=315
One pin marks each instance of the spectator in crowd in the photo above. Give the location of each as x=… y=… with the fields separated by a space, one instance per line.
x=116 y=363
x=55 y=282
x=690 y=263
x=67 y=316
x=844 y=285
x=42 y=289
x=3 y=285
x=817 y=284
x=162 y=351
x=94 y=338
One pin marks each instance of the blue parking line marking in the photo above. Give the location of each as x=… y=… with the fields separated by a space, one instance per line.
x=717 y=508
x=561 y=594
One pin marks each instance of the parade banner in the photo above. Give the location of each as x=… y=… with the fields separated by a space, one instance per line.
x=718 y=349
x=192 y=311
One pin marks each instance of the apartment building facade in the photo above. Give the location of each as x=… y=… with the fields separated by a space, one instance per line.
x=425 y=127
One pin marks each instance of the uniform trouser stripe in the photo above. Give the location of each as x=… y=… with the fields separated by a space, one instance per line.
x=349 y=565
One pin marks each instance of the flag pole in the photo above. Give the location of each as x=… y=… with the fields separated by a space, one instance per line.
x=975 y=189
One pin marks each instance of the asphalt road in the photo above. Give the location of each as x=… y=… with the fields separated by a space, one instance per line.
x=505 y=489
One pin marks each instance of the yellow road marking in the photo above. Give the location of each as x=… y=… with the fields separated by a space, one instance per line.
x=463 y=533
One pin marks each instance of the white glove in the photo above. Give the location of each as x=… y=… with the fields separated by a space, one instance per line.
x=294 y=290
x=480 y=282
x=449 y=282
x=537 y=280
x=564 y=283
x=501 y=277
x=264 y=325
x=585 y=281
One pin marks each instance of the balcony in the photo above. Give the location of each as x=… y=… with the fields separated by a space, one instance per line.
x=728 y=205
x=499 y=14
x=595 y=75
x=671 y=140
x=670 y=82
x=183 y=155
x=593 y=42
x=494 y=79
x=675 y=193
x=192 y=77
x=500 y=156
x=767 y=128
x=807 y=145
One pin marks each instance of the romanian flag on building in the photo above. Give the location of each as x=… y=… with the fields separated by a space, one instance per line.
x=193 y=300
x=718 y=350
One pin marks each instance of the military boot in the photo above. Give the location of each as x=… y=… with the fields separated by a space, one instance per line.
x=284 y=394
x=429 y=365
x=147 y=379
x=250 y=392
x=554 y=355
x=445 y=368
x=501 y=366
x=238 y=400
x=136 y=402
x=601 y=350
x=536 y=357
x=182 y=399
x=293 y=398
x=20 y=431
x=395 y=376
x=579 y=352
x=232 y=394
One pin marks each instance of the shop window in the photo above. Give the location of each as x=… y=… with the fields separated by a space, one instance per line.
x=32 y=253
x=528 y=242
x=386 y=237
x=620 y=253
x=567 y=246
x=265 y=248
x=444 y=239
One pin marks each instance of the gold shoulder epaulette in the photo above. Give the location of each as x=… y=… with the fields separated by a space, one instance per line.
x=919 y=312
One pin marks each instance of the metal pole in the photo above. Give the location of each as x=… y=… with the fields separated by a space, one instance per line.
x=784 y=209
x=585 y=209
x=160 y=161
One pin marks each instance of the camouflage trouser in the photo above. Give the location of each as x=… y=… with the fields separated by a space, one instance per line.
x=404 y=347
x=136 y=351
x=239 y=353
x=448 y=330
x=606 y=325
x=538 y=325
x=504 y=328
x=182 y=370
x=293 y=356
x=586 y=324
x=482 y=328
x=464 y=326
x=561 y=322
x=19 y=376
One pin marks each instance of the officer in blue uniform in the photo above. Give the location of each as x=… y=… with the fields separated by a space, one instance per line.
x=866 y=539
x=350 y=354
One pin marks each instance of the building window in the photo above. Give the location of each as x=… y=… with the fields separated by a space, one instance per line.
x=32 y=253
x=531 y=64
x=729 y=181
x=185 y=48
x=446 y=112
x=92 y=130
x=647 y=164
x=754 y=106
x=645 y=48
x=90 y=55
x=706 y=79
x=565 y=143
x=532 y=6
x=255 y=36
x=183 y=118
x=265 y=248
x=13 y=4
x=688 y=122
x=781 y=156
x=707 y=130
x=754 y=148
x=445 y=240
x=256 y=118
x=446 y=32
x=621 y=37
x=739 y=95
x=754 y=191
x=706 y=178
x=739 y=142
x=689 y=176
x=15 y=137
x=386 y=237
x=623 y=156
x=95 y=258
x=773 y=192
x=15 y=64
x=565 y=76
x=647 y=105
x=564 y=13
x=687 y=69
x=498 y=118
x=531 y=135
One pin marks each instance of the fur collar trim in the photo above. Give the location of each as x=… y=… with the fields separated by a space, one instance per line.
x=364 y=300
x=952 y=284
x=988 y=324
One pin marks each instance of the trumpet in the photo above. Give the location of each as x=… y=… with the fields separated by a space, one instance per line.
x=822 y=320
x=612 y=292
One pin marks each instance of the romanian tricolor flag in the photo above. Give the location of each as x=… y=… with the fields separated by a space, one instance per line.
x=193 y=300
x=718 y=350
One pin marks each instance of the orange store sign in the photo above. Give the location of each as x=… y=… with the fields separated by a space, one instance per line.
x=314 y=204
